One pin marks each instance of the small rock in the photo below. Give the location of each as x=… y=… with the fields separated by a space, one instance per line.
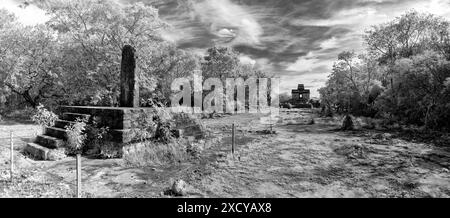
x=56 y=155
x=387 y=136
x=179 y=187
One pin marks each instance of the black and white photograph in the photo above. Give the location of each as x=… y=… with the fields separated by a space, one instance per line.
x=224 y=99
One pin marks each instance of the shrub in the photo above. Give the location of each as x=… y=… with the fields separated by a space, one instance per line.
x=76 y=136
x=348 y=123
x=194 y=149
x=164 y=131
x=164 y=124
x=368 y=123
x=144 y=127
x=44 y=117
x=189 y=123
x=109 y=150
x=98 y=141
x=156 y=125
x=96 y=134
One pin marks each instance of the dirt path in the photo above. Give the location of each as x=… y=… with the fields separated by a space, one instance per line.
x=317 y=161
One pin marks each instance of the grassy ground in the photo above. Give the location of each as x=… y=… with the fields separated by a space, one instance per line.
x=300 y=160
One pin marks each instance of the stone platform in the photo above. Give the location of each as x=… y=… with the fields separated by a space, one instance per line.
x=118 y=119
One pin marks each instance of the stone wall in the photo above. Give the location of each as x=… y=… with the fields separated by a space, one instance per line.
x=122 y=120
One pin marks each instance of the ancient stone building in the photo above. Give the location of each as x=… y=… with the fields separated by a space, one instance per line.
x=300 y=95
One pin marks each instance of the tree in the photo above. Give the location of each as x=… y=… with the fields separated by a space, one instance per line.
x=221 y=62
x=403 y=77
x=350 y=85
x=406 y=36
x=92 y=34
x=168 y=63
x=421 y=94
x=28 y=65
x=284 y=97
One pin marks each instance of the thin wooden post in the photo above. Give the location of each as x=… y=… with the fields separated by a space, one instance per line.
x=78 y=175
x=11 y=173
x=270 y=121
x=233 y=138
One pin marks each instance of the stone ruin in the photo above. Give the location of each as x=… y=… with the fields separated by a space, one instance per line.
x=118 y=119
x=300 y=97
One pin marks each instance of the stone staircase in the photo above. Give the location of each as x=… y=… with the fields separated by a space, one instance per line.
x=50 y=145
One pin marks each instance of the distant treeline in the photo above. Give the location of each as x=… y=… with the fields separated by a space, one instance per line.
x=403 y=76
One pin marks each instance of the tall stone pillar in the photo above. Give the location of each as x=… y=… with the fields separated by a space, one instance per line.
x=129 y=86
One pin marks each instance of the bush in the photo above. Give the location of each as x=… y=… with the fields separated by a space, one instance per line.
x=99 y=141
x=144 y=127
x=348 y=123
x=164 y=131
x=368 y=123
x=44 y=117
x=156 y=125
x=190 y=124
x=76 y=136
x=109 y=150
x=92 y=139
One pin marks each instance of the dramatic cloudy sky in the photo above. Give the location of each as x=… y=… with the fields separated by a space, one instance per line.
x=296 y=39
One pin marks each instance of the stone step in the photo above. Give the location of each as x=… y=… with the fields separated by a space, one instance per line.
x=56 y=132
x=49 y=142
x=62 y=123
x=37 y=152
x=73 y=116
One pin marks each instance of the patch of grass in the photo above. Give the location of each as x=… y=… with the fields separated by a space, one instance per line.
x=20 y=115
x=437 y=138
x=151 y=153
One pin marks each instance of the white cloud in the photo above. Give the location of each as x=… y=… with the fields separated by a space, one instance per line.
x=330 y=43
x=308 y=63
x=29 y=15
x=223 y=14
x=247 y=60
x=437 y=7
x=354 y=18
x=226 y=33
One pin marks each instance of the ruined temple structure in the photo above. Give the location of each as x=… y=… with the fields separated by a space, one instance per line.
x=120 y=120
x=300 y=95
